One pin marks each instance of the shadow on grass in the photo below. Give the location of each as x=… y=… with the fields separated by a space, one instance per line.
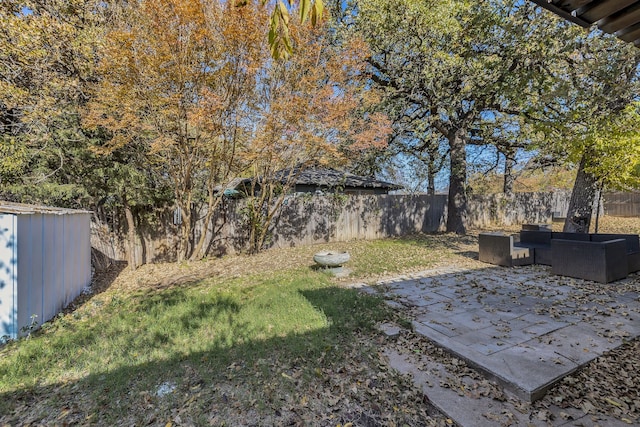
x=238 y=364
x=101 y=283
x=468 y=254
x=228 y=353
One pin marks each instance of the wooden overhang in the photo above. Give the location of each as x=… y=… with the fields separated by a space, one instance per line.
x=618 y=17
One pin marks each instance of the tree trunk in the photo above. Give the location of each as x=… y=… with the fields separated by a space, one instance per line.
x=599 y=205
x=131 y=234
x=199 y=250
x=582 y=198
x=509 y=178
x=457 y=203
x=185 y=228
x=185 y=231
x=431 y=176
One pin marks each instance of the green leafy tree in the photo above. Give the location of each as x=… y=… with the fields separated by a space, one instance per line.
x=453 y=65
x=618 y=146
x=588 y=117
x=281 y=43
x=46 y=59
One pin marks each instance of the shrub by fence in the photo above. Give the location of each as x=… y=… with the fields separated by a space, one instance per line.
x=307 y=219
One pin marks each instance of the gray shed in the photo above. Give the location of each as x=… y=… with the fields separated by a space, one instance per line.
x=45 y=263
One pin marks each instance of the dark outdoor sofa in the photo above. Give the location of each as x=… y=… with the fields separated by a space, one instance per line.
x=540 y=242
x=499 y=249
x=632 y=246
x=599 y=257
x=601 y=261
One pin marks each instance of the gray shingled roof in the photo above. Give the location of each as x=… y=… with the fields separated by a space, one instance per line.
x=333 y=178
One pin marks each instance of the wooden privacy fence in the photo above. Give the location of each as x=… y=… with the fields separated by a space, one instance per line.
x=306 y=219
x=499 y=209
x=622 y=204
x=309 y=220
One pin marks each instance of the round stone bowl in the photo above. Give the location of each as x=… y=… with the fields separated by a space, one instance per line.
x=331 y=259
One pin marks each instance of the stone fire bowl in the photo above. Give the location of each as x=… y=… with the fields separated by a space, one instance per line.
x=331 y=259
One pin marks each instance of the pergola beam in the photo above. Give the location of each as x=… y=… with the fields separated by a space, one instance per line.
x=561 y=12
x=618 y=17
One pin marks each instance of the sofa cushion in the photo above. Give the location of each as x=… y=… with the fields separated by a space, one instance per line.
x=535 y=237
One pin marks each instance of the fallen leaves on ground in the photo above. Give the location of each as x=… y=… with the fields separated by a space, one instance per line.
x=608 y=385
x=362 y=391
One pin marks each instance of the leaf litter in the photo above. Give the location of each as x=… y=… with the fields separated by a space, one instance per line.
x=362 y=391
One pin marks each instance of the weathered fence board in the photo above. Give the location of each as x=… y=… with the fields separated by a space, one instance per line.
x=498 y=209
x=309 y=219
x=622 y=204
x=306 y=220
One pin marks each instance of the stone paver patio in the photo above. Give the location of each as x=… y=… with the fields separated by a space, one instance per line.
x=522 y=326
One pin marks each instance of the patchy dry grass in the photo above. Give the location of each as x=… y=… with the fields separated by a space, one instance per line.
x=260 y=340
x=248 y=340
x=606 y=224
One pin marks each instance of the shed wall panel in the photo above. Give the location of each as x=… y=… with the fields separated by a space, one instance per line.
x=8 y=275
x=70 y=262
x=35 y=263
x=49 y=264
x=30 y=269
x=77 y=259
x=45 y=262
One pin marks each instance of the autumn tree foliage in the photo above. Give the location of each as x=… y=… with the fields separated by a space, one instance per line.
x=191 y=87
x=311 y=113
x=176 y=82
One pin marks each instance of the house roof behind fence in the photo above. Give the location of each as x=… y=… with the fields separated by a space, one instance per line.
x=333 y=178
x=26 y=209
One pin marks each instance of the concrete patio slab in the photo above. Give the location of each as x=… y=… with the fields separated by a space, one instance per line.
x=473 y=407
x=521 y=327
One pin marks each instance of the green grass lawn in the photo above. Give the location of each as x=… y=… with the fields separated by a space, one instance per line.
x=143 y=352
x=240 y=340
